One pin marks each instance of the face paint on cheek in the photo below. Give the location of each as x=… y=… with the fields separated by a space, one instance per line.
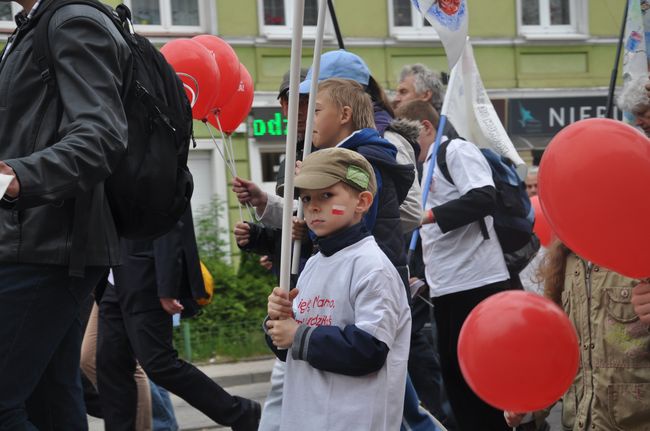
x=338 y=209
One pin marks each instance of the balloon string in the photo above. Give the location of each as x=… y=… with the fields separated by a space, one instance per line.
x=230 y=152
x=229 y=166
x=234 y=167
x=227 y=143
x=214 y=140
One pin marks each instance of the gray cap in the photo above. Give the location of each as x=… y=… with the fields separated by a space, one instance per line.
x=284 y=87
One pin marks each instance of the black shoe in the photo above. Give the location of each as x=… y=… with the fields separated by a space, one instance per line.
x=250 y=420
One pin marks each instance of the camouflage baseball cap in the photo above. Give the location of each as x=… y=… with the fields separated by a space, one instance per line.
x=326 y=167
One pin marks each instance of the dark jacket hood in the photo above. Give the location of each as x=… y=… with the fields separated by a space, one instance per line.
x=381 y=154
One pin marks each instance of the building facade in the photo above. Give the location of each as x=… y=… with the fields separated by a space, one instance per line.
x=545 y=63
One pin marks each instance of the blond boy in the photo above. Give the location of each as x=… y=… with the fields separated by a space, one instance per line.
x=348 y=326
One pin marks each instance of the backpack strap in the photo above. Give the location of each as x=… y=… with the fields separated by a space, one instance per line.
x=441 y=161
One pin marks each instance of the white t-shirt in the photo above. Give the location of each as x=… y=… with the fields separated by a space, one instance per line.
x=355 y=286
x=460 y=259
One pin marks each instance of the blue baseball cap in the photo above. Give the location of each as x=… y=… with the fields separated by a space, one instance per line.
x=339 y=64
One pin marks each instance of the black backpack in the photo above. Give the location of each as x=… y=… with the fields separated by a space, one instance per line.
x=151 y=187
x=514 y=216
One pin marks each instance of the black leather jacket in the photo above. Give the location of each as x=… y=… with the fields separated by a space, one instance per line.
x=70 y=149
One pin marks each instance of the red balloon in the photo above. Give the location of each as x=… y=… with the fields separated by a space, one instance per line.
x=518 y=351
x=228 y=65
x=593 y=186
x=231 y=116
x=541 y=228
x=195 y=66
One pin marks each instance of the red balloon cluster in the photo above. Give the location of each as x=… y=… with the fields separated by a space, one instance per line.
x=594 y=181
x=514 y=341
x=216 y=83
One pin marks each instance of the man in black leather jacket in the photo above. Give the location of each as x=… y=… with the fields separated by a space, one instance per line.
x=56 y=148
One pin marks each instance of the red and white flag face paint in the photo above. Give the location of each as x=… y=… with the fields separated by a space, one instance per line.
x=338 y=209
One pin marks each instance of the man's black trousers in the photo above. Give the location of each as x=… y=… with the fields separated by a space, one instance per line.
x=471 y=413
x=146 y=335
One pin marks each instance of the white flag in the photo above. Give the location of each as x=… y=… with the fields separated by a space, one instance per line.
x=449 y=19
x=471 y=112
x=635 y=57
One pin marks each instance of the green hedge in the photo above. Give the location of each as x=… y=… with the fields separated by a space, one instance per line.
x=231 y=325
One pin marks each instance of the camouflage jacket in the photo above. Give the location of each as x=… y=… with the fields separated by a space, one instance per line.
x=612 y=388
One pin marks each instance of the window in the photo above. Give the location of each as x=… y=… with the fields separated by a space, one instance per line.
x=276 y=19
x=176 y=16
x=7 y=13
x=550 y=17
x=406 y=22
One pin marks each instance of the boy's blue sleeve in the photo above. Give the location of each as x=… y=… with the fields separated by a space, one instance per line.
x=350 y=351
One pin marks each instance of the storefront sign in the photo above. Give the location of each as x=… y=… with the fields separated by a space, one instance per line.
x=547 y=116
x=268 y=124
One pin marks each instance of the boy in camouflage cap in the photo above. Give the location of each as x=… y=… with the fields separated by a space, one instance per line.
x=347 y=324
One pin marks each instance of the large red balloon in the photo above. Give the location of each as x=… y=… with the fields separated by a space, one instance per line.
x=231 y=116
x=594 y=184
x=518 y=351
x=542 y=229
x=195 y=66
x=228 y=65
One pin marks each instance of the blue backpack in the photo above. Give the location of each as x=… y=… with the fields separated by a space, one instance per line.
x=514 y=216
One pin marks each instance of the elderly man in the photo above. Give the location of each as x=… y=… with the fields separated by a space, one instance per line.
x=417 y=82
x=634 y=99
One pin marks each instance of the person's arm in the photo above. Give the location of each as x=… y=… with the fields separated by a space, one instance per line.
x=272 y=214
x=279 y=321
x=360 y=348
x=281 y=354
x=254 y=238
x=515 y=419
x=410 y=211
x=89 y=70
x=350 y=351
x=641 y=301
x=473 y=178
x=471 y=207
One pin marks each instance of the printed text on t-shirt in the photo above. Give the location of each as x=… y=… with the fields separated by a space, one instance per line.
x=315 y=305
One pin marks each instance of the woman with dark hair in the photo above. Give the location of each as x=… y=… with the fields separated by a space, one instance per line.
x=384 y=114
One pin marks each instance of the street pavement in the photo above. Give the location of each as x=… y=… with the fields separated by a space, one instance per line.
x=248 y=379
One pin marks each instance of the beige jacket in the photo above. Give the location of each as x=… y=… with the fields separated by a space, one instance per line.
x=612 y=388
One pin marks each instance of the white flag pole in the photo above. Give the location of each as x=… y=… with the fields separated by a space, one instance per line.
x=309 y=129
x=292 y=134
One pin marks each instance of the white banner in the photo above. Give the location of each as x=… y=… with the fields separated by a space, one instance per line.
x=449 y=19
x=471 y=112
x=635 y=57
